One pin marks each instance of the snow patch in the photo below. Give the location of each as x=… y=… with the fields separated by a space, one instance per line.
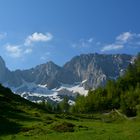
x=36 y=92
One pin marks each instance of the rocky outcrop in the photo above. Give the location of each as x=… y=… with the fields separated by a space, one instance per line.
x=94 y=69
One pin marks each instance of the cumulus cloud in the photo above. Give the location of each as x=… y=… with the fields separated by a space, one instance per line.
x=26 y=47
x=28 y=50
x=38 y=37
x=17 y=51
x=124 y=40
x=125 y=37
x=14 y=50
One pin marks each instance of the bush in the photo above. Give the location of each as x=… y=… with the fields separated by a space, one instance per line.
x=64 y=127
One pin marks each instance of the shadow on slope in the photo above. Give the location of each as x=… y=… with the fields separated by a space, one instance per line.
x=14 y=110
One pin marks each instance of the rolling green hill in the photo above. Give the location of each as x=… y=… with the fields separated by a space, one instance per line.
x=14 y=110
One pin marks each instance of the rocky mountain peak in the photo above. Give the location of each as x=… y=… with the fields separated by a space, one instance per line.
x=96 y=68
x=3 y=70
x=2 y=63
x=86 y=70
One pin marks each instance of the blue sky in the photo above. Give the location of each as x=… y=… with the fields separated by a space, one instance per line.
x=36 y=31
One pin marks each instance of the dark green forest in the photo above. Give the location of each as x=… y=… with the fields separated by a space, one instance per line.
x=124 y=94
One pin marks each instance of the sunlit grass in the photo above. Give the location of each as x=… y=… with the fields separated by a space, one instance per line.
x=84 y=129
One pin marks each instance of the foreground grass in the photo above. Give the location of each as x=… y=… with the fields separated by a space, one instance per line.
x=52 y=127
x=24 y=120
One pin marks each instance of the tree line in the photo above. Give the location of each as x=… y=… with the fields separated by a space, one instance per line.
x=123 y=94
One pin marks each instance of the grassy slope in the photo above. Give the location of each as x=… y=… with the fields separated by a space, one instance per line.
x=88 y=130
x=15 y=110
x=23 y=120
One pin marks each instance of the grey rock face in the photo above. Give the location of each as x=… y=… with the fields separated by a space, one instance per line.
x=94 y=69
x=2 y=69
x=43 y=74
x=4 y=72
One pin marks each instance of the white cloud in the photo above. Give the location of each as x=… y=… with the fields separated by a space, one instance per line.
x=14 y=50
x=17 y=51
x=38 y=37
x=25 y=48
x=2 y=35
x=125 y=37
x=112 y=47
x=28 y=50
x=124 y=40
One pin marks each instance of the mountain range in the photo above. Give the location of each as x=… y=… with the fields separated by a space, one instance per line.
x=51 y=82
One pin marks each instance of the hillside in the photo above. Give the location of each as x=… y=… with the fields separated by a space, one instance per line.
x=14 y=110
x=23 y=120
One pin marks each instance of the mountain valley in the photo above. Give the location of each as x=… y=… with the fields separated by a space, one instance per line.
x=52 y=83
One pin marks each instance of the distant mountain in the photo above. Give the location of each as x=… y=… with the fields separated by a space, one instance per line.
x=78 y=75
x=94 y=68
x=43 y=74
x=4 y=72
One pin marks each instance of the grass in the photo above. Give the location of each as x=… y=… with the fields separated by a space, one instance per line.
x=48 y=127
x=23 y=120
